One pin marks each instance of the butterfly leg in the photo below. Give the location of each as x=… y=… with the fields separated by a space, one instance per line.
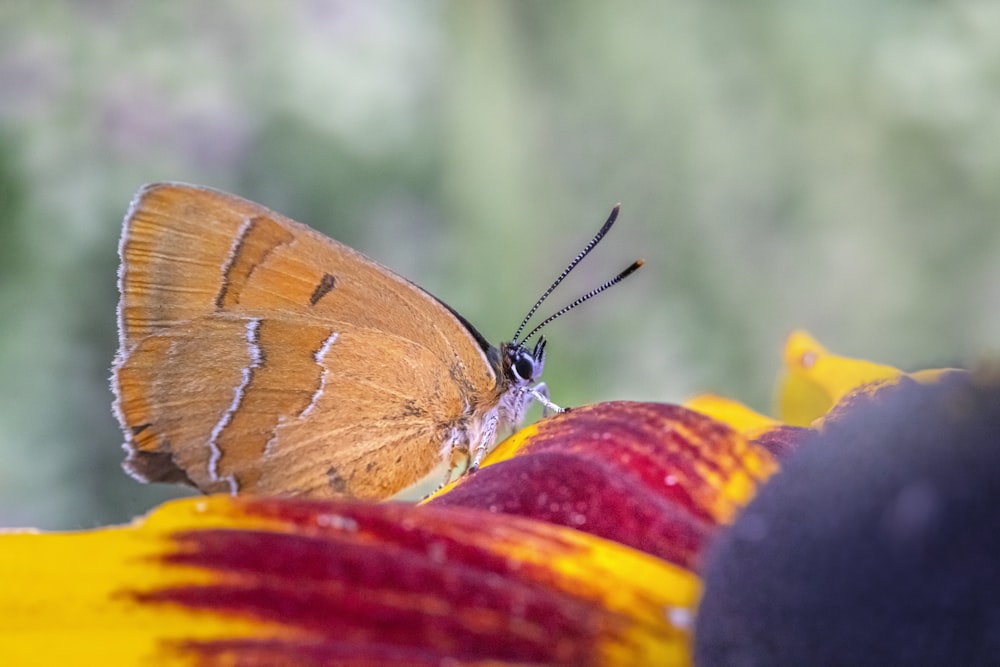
x=457 y=456
x=540 y=392
x=489 y=434
x=444 y=482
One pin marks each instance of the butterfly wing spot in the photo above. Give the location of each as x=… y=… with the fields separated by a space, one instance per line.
x=336 y=481
x=234 y=252
x=136 y=430
x=412 y=410
x=326 y=283
x=155 y=467
x=257 y=238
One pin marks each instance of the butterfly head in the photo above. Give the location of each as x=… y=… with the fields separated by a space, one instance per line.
x=519 y=368
x=522 y=366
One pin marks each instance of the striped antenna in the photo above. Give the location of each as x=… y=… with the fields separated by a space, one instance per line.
x=583 y=253
x=632 y=268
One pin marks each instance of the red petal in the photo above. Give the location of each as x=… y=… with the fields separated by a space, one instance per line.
x=653 y=476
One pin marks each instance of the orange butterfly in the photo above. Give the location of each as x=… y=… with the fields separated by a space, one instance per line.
x=258 y=355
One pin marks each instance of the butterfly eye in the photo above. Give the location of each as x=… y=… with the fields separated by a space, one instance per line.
x=524 y=366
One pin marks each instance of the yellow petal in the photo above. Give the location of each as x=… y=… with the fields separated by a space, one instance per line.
x=814 y=379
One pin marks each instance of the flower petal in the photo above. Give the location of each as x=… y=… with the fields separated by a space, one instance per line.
x=815 y=380
x=777 y=438
x=738 y=416
x=279 y=581
x=657 y=477
x=70 y=597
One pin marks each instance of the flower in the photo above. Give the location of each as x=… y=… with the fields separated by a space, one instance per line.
x=584 y=539
x=876 y=543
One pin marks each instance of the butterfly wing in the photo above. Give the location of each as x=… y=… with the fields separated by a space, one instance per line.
x=257 y=355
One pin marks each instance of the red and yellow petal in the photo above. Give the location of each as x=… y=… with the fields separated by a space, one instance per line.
x=71 y=597
x=253 y=581
x=660 y=478
x=777 y=438
x=733 y=413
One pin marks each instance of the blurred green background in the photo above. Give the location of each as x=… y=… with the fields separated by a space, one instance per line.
x=831 y=165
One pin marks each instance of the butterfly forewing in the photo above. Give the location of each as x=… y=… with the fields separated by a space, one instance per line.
x=259 y=355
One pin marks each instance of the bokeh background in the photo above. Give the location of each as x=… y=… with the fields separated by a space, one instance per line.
x=831 y=164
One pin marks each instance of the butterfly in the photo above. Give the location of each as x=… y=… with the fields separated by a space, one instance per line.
x=257 y=355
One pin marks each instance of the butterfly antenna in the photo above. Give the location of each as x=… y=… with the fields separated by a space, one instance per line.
x=632 y=268
x=583 y=253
